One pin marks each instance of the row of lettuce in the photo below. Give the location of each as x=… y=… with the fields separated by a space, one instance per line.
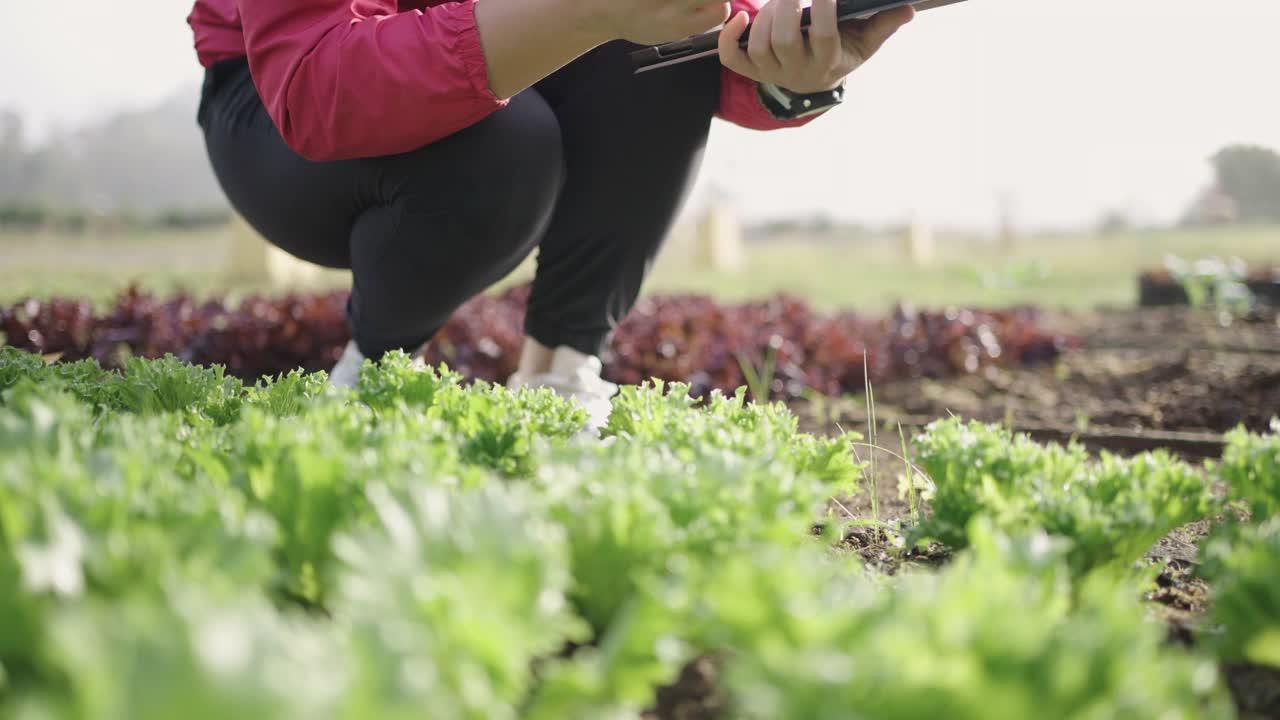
x=173 y=543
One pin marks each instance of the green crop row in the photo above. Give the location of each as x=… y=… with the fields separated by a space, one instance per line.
x=1241 y=560
x=173 y=543
x=1111 y=510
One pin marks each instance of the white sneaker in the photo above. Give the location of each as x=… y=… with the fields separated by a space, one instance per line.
x=347 y=372
x=575 y=376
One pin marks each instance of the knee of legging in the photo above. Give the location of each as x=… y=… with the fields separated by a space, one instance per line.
x=504 y=178
x=522 y=186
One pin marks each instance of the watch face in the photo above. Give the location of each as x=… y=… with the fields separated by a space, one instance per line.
x=811 y=104
x=783 y=104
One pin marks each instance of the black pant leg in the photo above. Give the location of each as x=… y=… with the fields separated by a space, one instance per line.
x=306 y=209
x=632 y=146
x=461 y=214
x=422 y=232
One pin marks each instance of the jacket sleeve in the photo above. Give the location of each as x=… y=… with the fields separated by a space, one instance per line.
x=346 y=79
x=739 y=102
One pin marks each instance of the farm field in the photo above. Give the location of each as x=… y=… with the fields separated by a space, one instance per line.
x=1077 y=273
x=285 y=549
x=959 y=403
x=1023 y=497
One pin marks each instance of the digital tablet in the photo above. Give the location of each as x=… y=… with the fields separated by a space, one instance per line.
x=708 y=44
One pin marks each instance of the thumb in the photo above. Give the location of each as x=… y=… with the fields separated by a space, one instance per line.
x=732 y=56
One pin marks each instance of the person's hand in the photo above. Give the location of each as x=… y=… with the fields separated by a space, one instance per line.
x=654 y=22
x=778 y=53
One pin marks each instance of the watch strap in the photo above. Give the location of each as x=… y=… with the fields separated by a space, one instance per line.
x=783 y=104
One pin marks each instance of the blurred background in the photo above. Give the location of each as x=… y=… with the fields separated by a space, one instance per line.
x=996 y=152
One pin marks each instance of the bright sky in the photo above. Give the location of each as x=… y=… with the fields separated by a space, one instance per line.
x=1068 y=107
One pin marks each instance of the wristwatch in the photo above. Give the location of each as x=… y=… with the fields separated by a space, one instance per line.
x=786 y=105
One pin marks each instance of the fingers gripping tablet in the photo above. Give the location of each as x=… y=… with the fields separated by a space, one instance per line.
x=705 y=45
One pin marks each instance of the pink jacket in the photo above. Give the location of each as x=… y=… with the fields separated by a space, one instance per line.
x=421 y=76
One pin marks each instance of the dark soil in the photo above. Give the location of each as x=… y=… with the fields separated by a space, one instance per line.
x=879 y=550
x=1180 y=599
x=1141 y=379
x=1152 y=389
x=1256 y=691
x=695 y=695
x=1176 y=329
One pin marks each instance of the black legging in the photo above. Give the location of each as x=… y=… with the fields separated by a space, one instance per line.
x=590 y=166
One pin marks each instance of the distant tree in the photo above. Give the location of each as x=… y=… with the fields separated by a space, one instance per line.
x=146 y=161
x=1211 y=207
x=1114 y=222
x=1250 y=177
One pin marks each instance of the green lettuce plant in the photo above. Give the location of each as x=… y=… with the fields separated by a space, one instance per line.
x=998 y=634
x=1251 y=469
x=496 y=428
x=1242 y=564
x=17 y=365
x=174 y=544
x=170 y=385
x=188 y=655
x=665 y=415
x=1112 y=510
x=450 y=599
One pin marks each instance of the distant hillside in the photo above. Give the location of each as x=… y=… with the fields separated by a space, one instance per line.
x=143 y=160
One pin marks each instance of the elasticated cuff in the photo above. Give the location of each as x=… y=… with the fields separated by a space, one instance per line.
x=552 y=335
x=461 y=20
x=374 y=348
